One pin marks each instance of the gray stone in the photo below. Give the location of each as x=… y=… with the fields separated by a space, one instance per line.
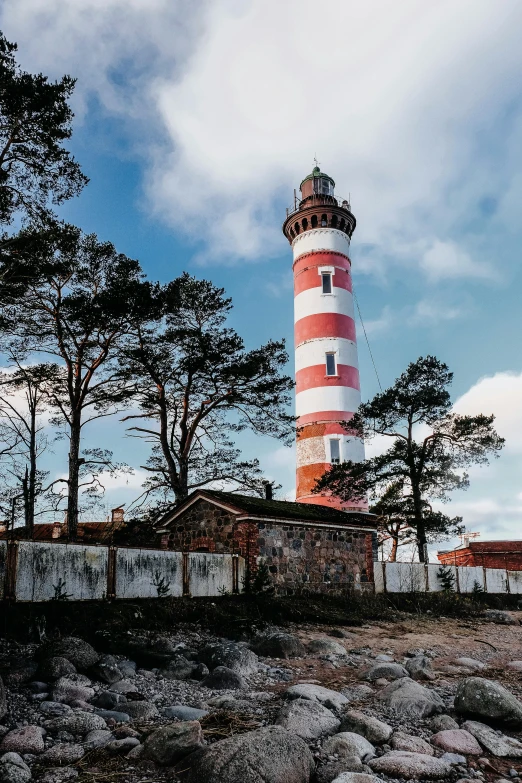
x=142 y=710
x=54 y=667
x=223 y=678
x=500 y=617
x=62 y=754
x=328 y=698
x=167 y=745
x=38 y=688
x=123 y=686
x=497 y=744
x=332 y=769
x=233 y=656
x=401 y=764
x=349 y=744
x=80 y=653
x=356 y=777
x=267 y=755
x=454 y=759
x=108 y=700
x=137 y=752
x=420 y=668
x=373 y=729
x=325 y=646
x=114 y=715
x=179 y=668
x=66 y=690
x=470 y=663
x=410 y=699
x=122 y=746
x=76 y=723
x=308 y=719
x=13 y=769
x=28 y=739
x=280 y=645
x=107 y=670
x=127 y=668
x=59 y=775
x=402 y=741
x=516 y=665
x=457 y=741
x=443 y=723
x=488 y=699
x=183 y=713
x=357 y=692
x=97 y=738
x=388 y=671
x=54 y=709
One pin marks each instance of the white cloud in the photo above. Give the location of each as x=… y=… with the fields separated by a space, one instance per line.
x=230 y=100
x=380 y=325
x=429 y=312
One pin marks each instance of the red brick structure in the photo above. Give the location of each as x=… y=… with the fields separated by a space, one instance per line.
x=488 y=554
x=88 y=532
x=305 y=546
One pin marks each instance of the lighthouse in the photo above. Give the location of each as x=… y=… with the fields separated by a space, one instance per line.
x=319 y=228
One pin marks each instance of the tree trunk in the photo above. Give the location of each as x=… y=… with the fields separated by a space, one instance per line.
x=73 y=481
x=419 y=521
x=31 y=477
x=394 y=548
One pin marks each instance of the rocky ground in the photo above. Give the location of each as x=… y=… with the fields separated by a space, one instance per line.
x=425 y=698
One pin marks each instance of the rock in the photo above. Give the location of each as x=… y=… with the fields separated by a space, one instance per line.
x=349 y=744
x=357 y=692
x=62 y=754
x=328 y=698
x=267 y=755
x=356 y=777
x=373 y=729
x=488 y=699
x=402 y=741
x=308 y=719
x=122 y=746
x=127 y=668
x=123 y=686
x=167 y=745
x=409 y=698
x=457 y=741
x=59 y=775
x=420 y=668
x=281 y=645
x=516 y=665
x=223 y=678
x=183 y=713
x=54 y=667
x=401 y=764
x=107 y=700
x=66 y=690
x=325 y=647
x=114 y=715
x=107 y=670
x=332 y=769
x=28 y=739
x=137 y=752
x=470 y=663
x=97 y=739
x=38 y=687
x=179 y=668
x=54 y=709
x=77 y=651
x=13 y=769
x=233 y=656
x=76 y=723
x=21 y=673
x=443 y=723
x=341 y=633
x=455 y=759
x=497 y=744
x=142 y=710
x=388 y=671
x=500 y=617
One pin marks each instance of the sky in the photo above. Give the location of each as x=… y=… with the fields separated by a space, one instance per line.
x=196 y=120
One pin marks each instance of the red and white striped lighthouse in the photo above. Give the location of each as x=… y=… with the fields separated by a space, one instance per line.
x=319 y=228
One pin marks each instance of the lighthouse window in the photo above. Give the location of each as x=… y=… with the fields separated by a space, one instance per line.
x=330 y=364
x=326 y=278
x=335 y=451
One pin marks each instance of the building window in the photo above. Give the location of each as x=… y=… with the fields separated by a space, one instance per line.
x=324 y=221
x=326 y=278
x=335 y=451
x=330 y=364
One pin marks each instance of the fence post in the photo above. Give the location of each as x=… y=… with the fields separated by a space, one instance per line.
x=235 y=573
x=11 y=562
x=485 y=579
x=111 y=572
x=426 y=578
x=384 y=585
x=186 y=576
x=457 y=578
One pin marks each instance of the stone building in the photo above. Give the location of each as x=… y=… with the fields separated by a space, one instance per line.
x=305 y=546
x=488 y=554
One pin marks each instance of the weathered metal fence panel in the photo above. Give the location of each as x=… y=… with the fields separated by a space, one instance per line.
x=148 y=573
x=48 y=571
x=209 y=574
x=496 y=580
x=515 y=582
x=405 y=578
x=378 y=576
x=416 y=577
x=469 y=577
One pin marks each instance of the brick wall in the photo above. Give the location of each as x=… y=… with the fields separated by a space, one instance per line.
x=489 y=554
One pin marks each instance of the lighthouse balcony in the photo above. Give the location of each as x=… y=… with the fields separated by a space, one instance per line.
x=318 y=200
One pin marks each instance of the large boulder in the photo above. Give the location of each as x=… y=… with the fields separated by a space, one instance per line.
x=167 y=745
x=325 y=646
x=308 y=719
x=79 y=652
x=267 y=755
x=373 y=729
x=335 y=767
x=107 y=700
x=401 y=764
x=487 y=699
x=54 y=667
x=470 y=663
x=420 y=668
x=457 y=741
x=234 y=656
x=62 y=754
x=388 y=671
x=410 y=699
x=178 y=668
x=67 y=691
x=28 y=739
x=500 y=617
x=495 y=742
x=349 y=744
x=13 y=769
x=280 y=645
x=107 y=670
x=141 y=710
x=76 y=722
x=333 y=700
x=402 y=741
x=443 y=723
x=223 y=678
